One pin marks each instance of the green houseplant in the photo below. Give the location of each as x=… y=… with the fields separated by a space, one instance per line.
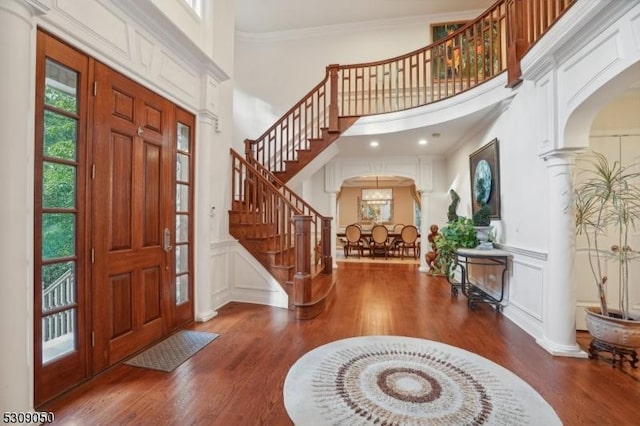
x=482 y=217
x=607 y=205
x=459 y=233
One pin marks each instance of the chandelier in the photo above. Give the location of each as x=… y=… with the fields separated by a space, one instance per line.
x=377 y=195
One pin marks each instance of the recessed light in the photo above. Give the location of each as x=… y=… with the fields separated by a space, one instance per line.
x=373 y=143
x=422 y=141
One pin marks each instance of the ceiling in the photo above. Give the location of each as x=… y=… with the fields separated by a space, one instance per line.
x=260 y=16
x=440 y=138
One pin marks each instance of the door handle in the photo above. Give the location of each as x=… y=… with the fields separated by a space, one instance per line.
x=167 y=240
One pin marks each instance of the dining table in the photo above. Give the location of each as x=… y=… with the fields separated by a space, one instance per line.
x=392 y=237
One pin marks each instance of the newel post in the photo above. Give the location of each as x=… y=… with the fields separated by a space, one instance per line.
x=326 y=245
x=516 y=40
x=332 y=70
x=248 y=152
x=302 y=247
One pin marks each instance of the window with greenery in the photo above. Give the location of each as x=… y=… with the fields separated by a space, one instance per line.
x=58 y=214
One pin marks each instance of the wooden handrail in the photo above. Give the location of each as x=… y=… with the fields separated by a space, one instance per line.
x=304 y=209
x=528 y=21
x=269 y=208
x=483 y=48
x=293 y=131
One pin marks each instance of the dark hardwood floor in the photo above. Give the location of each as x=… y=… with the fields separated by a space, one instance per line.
x=238 y=378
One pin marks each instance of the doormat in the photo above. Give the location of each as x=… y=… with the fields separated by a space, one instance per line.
x=172 y=351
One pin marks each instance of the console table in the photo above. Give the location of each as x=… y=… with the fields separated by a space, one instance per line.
x=491 y=257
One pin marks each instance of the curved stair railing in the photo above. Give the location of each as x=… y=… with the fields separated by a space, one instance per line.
x=477 y=52
x=489 y=45
x=282 y=232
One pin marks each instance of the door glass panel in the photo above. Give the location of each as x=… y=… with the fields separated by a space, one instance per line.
x=60 y=135
x=184 y=190
x=182 y=259
x=182 y=228
x=183 y=137
x=58 y=285
x=60 y=87
x=182 y=198
x=182 y=168
x=58 y=185
x=58 y=334
x=58 y=235
x=182 y=289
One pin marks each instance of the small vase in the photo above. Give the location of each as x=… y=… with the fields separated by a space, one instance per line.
x=482 y=233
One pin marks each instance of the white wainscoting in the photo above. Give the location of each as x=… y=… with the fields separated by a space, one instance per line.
x=238 y=277
x=524 y=293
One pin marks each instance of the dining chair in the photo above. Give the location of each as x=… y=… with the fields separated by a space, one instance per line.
x=409 y=241
x=395 y=243
x=353 y=235
x=379 y=241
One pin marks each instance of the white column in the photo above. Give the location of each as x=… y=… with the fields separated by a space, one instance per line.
x=204 y=215
x=424 y=229
x=17 y=45
x=333 y=208
x=559 y=292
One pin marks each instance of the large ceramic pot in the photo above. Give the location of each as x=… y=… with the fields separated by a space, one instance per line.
x=612 y=330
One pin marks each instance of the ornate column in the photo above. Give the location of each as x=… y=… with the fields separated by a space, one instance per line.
x=205 y=214
x=424 y=229
x=333 y=208
x=559 y=292
x=17 y=44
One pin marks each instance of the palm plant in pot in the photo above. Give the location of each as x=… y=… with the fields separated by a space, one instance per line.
x=607 y=203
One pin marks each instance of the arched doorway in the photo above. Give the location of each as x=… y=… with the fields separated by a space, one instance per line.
x=615 y=133
x=386 y=200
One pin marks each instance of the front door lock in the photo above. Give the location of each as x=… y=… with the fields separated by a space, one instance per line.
x=167 y=240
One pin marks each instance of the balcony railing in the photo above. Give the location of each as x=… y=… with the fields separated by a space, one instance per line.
x=483 y=48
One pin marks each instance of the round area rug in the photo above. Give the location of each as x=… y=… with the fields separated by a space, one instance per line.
x=393 y=380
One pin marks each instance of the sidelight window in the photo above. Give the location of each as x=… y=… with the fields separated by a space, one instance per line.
x=184 y=189
x=58 y=213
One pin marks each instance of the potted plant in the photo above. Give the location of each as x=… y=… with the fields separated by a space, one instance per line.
x=482 y=217
x=459 y=233
x=607 y=203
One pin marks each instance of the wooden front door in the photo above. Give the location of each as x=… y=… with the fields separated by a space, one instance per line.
x=132 y=213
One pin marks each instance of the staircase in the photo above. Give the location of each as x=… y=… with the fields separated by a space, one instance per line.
x=280 y=229
x=285 y=234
